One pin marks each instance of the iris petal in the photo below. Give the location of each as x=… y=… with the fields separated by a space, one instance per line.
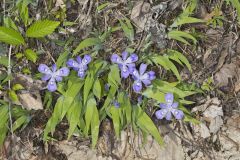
x=160 y=114
x=151 y=75
x=72 y=63
x=132 y=58
x=43 y=68
x=46 y=77
x=81 y=73
x=124 y=73
x=163 y=105
x=147 y=82
x=124 y=55
x=137 y=86
x=142 y=68
x=54 y=67
x=175 y=105
x=52 y=86
x=62 y=72
x=86 y=59
x=178 y=114
x=58 y=78
x=131 y=67
x=169 y=98
x=168 y=116
x=135 y=74
x=116 y=59
x=79 y=59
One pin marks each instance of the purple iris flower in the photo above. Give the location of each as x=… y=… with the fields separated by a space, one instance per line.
x=126 y=64
x=142 y=77
x=169 y=108
x=80 y=65
x=54 y=75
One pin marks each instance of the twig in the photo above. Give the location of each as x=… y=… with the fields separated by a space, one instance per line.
x=9 y=72
x=9 y=87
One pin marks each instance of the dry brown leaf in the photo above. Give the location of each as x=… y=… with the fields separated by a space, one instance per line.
x=31 y=101
x=140 y=15
x=227 y=71
x=221 y=60
x=237 y=86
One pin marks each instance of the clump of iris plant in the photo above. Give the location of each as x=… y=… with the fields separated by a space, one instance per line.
x=126 y=64
x=169 y=108
x=80 y=65
x=52 y=75
x=142 y=76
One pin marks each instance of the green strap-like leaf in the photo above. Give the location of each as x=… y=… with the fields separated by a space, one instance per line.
x=116 y=119
x=10 y=36
x=186 y=20
x=86 y=43
x=113 y=76
x=145 y=123
x=127 y=28
x=97 y=88
x=95 y=126
x=175 y=55
x=73 y=115
x=42 y=28
x=172 y=67
x=181 y=36
x=91 y=104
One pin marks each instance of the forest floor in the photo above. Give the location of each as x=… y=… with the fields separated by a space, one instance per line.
x=215 y=76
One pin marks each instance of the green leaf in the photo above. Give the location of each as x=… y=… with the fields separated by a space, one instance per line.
x=165 y=87
x=173 y=54
x=102 y=6
x=4 y=61
x=145 y=123
x=62 y=58
x=31 y=55
x=73 y=116
x=181 y=36
x=42 y=28
x=116 y=119
x=23 y=10
x=20 y=122
x=3 y=123
x=10 y=36
x=92 y=75
x=108 y=101
x=62 y=106
x=186 y=20
x=97 y=89
x=127 y=28
x=188 y=118
x=154 y=93
x=87 y=43
x=53 y=121
x=114 y=76
x=160 y=60
x=236 y=4
x=8 y=22
x=13 y=96
x=17 y=87
x=95 y=123
x=90 y=107
x=87 y=87
x=172 y=67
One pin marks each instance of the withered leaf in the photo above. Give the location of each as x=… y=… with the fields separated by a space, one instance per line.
x=227 y=71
